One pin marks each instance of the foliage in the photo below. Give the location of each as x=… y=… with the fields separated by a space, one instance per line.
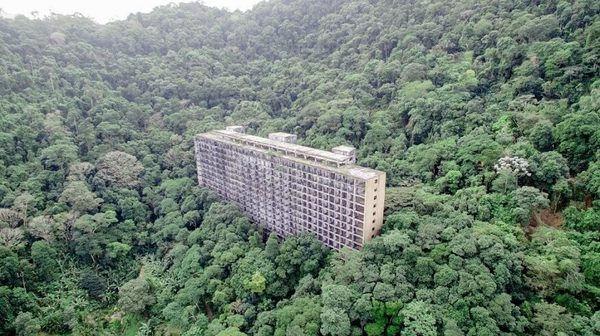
x=483 y=114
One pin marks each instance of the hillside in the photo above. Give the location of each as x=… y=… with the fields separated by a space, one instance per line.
x=485 y=115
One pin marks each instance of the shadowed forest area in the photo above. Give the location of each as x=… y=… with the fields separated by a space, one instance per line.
x=485 y=115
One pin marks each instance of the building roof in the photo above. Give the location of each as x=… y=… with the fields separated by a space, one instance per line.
x=338 y=162
x=282 y=134
x=361 y=172
x=279 y=145
x=345 y=148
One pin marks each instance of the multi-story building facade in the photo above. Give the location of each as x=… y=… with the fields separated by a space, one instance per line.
x=289 y=188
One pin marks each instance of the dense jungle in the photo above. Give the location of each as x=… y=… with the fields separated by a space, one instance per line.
x=485 y=115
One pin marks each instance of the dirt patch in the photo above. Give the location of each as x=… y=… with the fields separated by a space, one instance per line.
x=554 y=219
x=587 y=200
x=544 y=217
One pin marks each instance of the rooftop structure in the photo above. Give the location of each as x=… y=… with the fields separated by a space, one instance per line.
x=346 y=151
x=237 y=129
x=289 y=188
x=283 y=137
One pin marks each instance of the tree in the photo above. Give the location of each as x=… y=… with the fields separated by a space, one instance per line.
x=578 y=138
x=22 y=204
x=418 y=320
x=43 y=227
x=80 y=171
x=551 y=319
x=541 y=135
x=550 y=167
x=136 y=295
x=59 y=156
x=337 y=300
x=528 y=200
x=257 y=284
x=10 y=217
x=9 y=266
x=44 y=259
x=252 y=114
x=450 y=182
x=78 y=196
x=334 y=322
x=509 y=169
x=119 y=169
x=11 y=237
x=553 y=263
x=26 y=324
x=272 y=246
x=94 y=284
x=231 y=331
x=591 y=178
x=297 y=316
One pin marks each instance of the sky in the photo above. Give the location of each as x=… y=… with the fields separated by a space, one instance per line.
x=103 y=11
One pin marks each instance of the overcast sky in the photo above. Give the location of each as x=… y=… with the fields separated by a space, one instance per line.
x=105 y=10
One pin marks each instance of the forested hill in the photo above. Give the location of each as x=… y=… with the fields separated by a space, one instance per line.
x=484 y=114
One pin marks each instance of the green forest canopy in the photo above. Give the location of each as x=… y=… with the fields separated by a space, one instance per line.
x=484 y=114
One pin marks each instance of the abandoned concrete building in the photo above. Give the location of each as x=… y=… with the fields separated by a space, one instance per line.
x=288 y=188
